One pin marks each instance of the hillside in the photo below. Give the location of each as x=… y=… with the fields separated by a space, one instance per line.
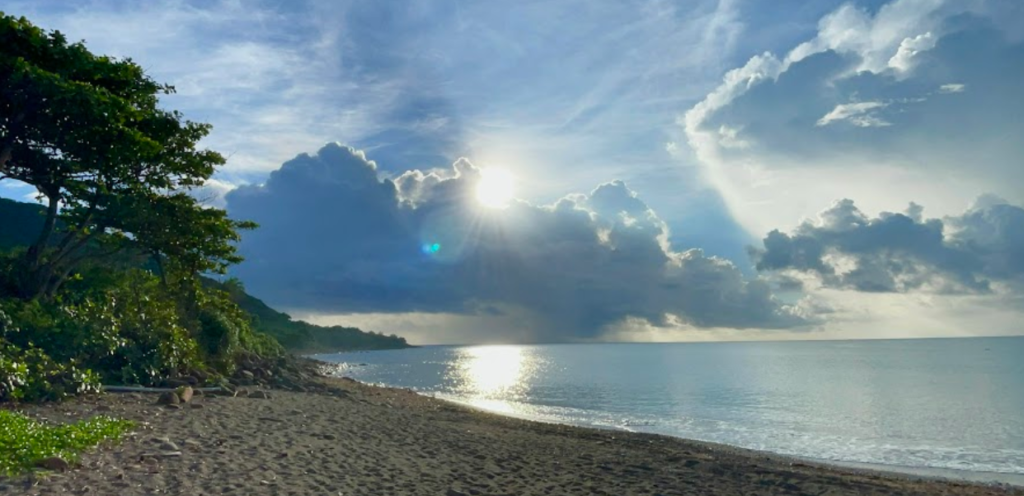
x=19 y=223
x=302 y=337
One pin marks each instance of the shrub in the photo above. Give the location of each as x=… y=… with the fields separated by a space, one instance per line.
x=128 y=332
x=24 y=441
x=226 y=330
x=31 y=375
x=132 y=332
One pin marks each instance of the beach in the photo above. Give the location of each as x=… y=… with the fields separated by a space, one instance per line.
x=354 y=439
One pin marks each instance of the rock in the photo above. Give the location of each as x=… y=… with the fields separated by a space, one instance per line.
x=248 y=375
x=263 y=395
x=192 y=443
x=329 y=437
x=174 y=406
x=150 y=457
x=168 y=398
x=453 y=492
x=54 y=463
x=197 y=405
x=185 y=393
x=169 y=446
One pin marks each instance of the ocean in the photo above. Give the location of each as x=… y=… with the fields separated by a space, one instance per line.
x=913 y=405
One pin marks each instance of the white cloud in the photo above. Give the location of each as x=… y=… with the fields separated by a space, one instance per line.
x=873 y=71
x=859 y=114
x=909 y=49
x=952 y=88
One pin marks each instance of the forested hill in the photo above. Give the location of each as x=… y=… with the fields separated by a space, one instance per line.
x=302 y=337
x=21 y=222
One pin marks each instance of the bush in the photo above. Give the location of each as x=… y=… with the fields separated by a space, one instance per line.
x=28 y=373
x=129 y=332
x=225 y=331
x=132 y=332
x=31 y=375
x=24 y=441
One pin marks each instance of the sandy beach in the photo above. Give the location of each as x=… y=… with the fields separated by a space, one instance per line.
x=354 y=439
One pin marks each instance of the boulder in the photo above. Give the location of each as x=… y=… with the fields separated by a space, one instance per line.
x=184 y=393
x=246 y=377
x=176 y=382
x=168 y=398
x=54 y=463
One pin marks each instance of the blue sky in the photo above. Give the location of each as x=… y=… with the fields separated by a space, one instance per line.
x=725 y=119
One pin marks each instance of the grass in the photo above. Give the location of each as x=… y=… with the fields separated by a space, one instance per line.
x=23 y=441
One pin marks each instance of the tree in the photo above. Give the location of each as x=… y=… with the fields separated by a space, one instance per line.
x=111 y=166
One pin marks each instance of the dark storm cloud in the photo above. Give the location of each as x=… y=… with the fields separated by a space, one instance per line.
x=901 y=252
x=334 y=237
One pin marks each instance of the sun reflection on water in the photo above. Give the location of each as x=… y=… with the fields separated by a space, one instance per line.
x=491 y=377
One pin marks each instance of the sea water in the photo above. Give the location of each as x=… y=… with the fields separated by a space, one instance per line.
x=950 y=404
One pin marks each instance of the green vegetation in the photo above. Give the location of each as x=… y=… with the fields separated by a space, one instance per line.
x=108 y=280
x=302 y=337
x=24 y=441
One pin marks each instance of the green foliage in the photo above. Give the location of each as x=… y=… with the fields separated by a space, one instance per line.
x=24 y=441
x=127 y=332
x=113 y=166
x=226 y=330
x=132 y=332
x=114 y=169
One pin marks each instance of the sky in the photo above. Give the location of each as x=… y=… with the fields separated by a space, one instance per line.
x=646 y=170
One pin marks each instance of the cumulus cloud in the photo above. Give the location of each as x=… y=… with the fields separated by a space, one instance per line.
x=336 y=237
x=980 y=251
x=899 y=75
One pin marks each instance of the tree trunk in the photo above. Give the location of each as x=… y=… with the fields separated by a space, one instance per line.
x=5 y=155
x=35 y=252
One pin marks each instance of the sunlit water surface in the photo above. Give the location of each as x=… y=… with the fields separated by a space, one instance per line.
x=942 y=404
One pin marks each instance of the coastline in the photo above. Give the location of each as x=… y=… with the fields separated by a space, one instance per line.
x=357 y=439
x=931 y=473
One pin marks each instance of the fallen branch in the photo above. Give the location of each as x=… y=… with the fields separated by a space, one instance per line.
x=143 y=389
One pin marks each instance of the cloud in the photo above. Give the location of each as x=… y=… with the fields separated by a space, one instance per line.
x=898 y=75
x=858 y=114
x=336 y=238
x=980 y=251
x=952 y=88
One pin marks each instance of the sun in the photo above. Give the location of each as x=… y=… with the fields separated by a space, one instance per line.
x=496 y=187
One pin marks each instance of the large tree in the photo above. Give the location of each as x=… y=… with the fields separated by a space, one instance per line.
x=110 y=164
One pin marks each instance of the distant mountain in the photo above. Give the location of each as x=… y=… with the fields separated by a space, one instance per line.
x=21 y=222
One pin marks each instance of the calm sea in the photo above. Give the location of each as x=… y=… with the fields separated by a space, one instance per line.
x=933 y=404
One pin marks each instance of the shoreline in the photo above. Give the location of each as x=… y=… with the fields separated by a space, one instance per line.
x=358 y=439
x=930 y=473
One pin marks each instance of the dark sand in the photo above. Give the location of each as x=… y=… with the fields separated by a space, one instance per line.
x=363 y=440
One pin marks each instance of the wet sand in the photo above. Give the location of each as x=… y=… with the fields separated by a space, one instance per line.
x=363 y=440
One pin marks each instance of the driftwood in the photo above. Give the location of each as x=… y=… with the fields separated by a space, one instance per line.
x=143 y=389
